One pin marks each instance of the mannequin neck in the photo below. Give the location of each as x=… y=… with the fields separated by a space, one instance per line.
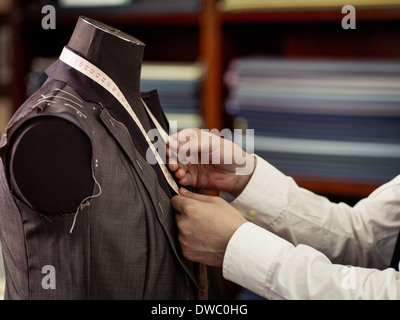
x=114 y=52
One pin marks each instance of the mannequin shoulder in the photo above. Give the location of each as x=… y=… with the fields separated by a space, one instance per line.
x=49 y=164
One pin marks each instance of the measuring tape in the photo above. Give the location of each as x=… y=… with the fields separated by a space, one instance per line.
x=88 y=69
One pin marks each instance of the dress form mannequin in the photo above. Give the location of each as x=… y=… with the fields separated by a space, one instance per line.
x=62 y=161
x=72 y=141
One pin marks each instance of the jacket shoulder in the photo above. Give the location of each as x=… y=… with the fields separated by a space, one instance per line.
x=48 y=156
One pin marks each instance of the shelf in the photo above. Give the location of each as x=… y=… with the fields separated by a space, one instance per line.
x=338 y=188
x=308 y=16
x=167 y=14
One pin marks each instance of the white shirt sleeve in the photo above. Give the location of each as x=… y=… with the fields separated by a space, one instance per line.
x=312 y=241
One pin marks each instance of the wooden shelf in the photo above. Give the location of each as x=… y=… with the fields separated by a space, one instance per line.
x=307 y=16
x=125 y=18
x=339 y=188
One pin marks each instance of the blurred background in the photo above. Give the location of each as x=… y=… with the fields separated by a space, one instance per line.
x=324 y=101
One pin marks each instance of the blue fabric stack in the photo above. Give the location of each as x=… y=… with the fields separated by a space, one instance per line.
x=178 y=86
x=319 y=118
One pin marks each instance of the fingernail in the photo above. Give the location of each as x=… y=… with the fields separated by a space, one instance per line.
x=183 y=190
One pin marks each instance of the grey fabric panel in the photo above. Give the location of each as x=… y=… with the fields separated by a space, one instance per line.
x=123 y=244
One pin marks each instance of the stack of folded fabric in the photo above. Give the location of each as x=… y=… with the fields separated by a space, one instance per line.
x=318 y=118
x=135 y=6
x=178 y=86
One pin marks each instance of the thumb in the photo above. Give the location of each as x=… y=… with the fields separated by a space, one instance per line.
x=196 y=196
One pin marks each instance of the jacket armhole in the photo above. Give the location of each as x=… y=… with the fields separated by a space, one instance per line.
x=49 y=164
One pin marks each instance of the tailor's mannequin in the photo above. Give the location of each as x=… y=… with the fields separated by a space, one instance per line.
x=73 y=148
x=54 y=174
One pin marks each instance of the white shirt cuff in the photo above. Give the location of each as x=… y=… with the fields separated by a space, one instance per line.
x=267 y=188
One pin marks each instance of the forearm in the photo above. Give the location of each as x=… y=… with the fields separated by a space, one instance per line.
x=274 y=268
x=344 y=234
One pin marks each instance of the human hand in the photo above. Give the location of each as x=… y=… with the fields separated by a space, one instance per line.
x=205 y=225
x=212 y=163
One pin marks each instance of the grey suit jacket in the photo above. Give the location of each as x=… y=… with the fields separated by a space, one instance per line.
x=123 y=244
